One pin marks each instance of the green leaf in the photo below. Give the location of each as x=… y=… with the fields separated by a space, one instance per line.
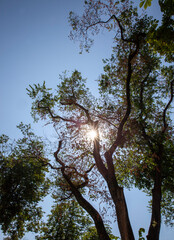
x=146 y=4
x=141 y=4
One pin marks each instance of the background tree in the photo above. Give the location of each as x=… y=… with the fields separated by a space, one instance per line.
x=69 y=221
x=23 y=183
x=66 y=221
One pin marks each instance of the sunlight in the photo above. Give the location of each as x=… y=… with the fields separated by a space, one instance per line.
x=92 y=134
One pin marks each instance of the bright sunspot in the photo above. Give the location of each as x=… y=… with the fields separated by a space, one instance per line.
x=92 y=134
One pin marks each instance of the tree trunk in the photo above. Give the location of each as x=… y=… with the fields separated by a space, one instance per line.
x=123 y=219
x=154 y=229
x=116 y=192
x=118 y=197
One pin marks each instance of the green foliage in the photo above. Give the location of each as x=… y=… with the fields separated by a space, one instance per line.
x=73 y=89
x=84 y=28
x=91 y=234
x=44 y=98
x=66 y=221
x=136 y=158
x=22 y=183
x=70 y=91
x=161 y=37
x=69 y=221
x=140 y=233
x=167 y=207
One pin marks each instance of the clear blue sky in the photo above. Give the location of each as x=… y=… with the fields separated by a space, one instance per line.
x=34 y=46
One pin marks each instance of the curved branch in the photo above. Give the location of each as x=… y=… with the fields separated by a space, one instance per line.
x=85 y=176
x=119 y=137
x=55 y=116
x=120 y=27
x=88 y=207
x=85 y=110
x=90 y=169
x=73 y=102
x=45 y=162
x=56 y=154
x=167 y=106
x=118 y=22
x=106 y=120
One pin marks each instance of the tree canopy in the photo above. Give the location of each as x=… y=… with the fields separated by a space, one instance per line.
x=23 y=183
x=133 y=144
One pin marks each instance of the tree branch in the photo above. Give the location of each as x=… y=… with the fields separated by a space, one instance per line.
x=98 y=160
x=142 y=122
x=85 y=175
x=85 y=110
x=120 y=27
x=167 y=106
x=69 y=102
x=119 y=137
x=55 y=116
x=106 y=120
x=56 y=154
x=88 y=207
x=90 y=169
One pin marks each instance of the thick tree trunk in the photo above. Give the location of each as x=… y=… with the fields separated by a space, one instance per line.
x=154 y=229
x=123 y=217
x=118 y=197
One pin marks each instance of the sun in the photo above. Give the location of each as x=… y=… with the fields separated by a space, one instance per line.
x=92 y=134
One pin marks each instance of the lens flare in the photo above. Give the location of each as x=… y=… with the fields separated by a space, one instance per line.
x=92 y=134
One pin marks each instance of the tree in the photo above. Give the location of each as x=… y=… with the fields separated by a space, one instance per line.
x=134 y=37
x=23 y=183
x=69 y=221
x=66 y=221
x=133 y=142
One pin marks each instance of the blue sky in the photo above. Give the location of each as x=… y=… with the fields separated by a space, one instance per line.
x=34 y=46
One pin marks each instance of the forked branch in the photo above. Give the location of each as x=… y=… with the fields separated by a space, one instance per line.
x=113 y=17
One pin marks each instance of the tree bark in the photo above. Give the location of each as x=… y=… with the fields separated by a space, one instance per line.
x=123 y=219
x=116 y=192
x=154 y=229
x=118 y=197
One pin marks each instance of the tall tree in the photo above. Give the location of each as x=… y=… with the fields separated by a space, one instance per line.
x=125 y=136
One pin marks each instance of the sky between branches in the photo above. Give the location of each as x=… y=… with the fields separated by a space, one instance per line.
x=34 y=46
